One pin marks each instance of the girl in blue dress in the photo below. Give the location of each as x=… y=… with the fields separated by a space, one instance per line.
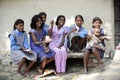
x=37 y=42
x=20 y=49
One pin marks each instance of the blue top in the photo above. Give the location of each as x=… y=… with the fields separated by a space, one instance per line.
x=17 y=39
x=46 y=28
x=82 y=31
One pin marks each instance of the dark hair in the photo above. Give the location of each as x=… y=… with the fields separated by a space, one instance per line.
x=59 y=18
x=97 y=19
x=79 y=16
x=34 y=20
x=18 y=21
x=42 y=13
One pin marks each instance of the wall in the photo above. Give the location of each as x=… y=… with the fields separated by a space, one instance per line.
x=10 y=10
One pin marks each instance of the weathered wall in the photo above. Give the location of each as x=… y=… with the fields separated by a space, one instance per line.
x=10 y=10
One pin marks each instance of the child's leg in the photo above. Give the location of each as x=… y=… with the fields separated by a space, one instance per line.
x=43 y=64
x=64 y=58
x=82 y=42
x=49 y=60
x=58 y=60
x=73 y=44
x=20 y=65
x=86 y=54
x=28 y=67
x=97 y=55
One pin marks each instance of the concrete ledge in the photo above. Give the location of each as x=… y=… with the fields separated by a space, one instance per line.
x=75 y=55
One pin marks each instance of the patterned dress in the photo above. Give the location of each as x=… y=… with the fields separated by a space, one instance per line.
x=41 y=54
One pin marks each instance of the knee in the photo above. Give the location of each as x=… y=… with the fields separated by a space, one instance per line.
x=86 y=51
x=24 y=59
x=93 y=49
x=34 y=60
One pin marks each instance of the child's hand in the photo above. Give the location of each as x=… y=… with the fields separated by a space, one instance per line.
x=89 y=37
x=47 y=39
x=52 y=23
x=74 y=29
x=30 y=51
x=108 y=37
x=23 y=49
x=46 y=50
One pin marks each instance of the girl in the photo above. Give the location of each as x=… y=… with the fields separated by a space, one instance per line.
x=77 y=36
x=20 y=50
x=98 y=53
x=38 y=44
x=43 y=15
x=58 y=34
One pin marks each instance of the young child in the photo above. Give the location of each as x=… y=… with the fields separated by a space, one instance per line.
x=38 y=42
x=43 y=15
x=20 y=49
x=95 y=41
x=77 y=36
x=98 y=53
x=58 y=34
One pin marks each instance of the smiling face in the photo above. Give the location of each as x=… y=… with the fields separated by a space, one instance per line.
x=78 y=21
x=97 y=24
x=43 y=18
x=61 y=21
x=39 y=23
x=97 y=32
x=20 y=27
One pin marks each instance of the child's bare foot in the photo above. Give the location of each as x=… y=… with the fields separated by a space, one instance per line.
x=24 y=75
x=85 y=71
x=19 y=75
x=39 y=70
x=101 y=67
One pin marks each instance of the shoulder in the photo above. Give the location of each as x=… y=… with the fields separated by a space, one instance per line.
x=43 y=31
x=13 y=33
x=32 y=31
x=24 y=33
x=84 y=29
x=73 y=26
x=45 y=25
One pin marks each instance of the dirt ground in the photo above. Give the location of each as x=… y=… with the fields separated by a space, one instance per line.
x=74 y=70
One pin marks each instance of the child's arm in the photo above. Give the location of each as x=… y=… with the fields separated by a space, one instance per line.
x=35 y=40
x=50 y=30
x=105 y=37
x=26 y=45
x=62 y=41
x=72 y=30
x=13 y=44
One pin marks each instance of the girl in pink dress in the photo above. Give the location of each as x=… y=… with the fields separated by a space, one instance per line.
x=58 y=35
